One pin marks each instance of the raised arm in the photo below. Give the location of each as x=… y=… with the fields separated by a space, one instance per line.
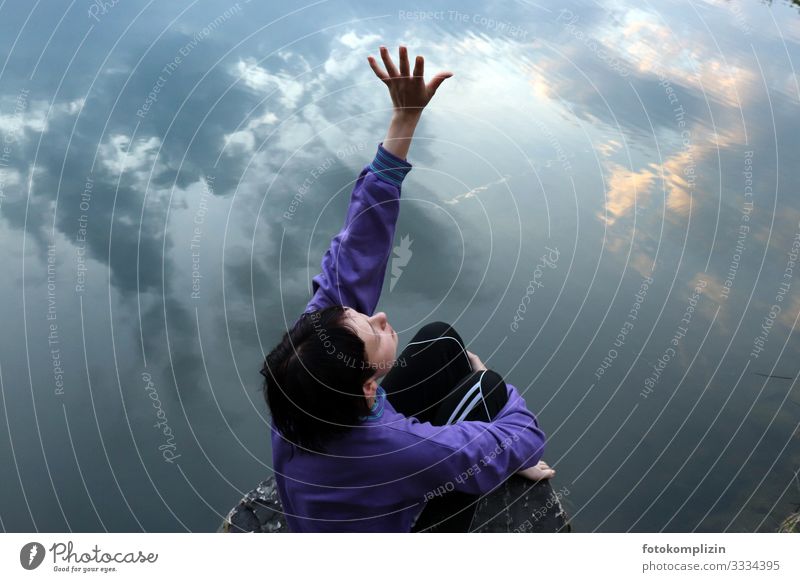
x=354 y=266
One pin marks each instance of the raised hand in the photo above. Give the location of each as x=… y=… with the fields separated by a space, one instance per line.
x=409 y=93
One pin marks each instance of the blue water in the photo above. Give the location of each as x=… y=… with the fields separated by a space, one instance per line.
x=173 y=171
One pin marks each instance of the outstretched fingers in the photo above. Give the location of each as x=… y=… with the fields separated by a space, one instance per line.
x=404 y=67
x=387 y=60
x=379 y=72
x=437 y=80
x=419 y=66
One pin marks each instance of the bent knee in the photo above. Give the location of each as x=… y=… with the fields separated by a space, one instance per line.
x=490 y=380
x=438 y=329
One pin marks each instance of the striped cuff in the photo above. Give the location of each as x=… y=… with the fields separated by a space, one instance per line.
x=389 y=167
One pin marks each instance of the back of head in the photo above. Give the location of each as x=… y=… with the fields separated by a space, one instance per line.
x=315 y=377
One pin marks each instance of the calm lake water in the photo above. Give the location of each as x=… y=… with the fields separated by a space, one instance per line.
x=604 y=203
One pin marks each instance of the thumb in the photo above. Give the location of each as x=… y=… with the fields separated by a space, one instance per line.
x=437 y=80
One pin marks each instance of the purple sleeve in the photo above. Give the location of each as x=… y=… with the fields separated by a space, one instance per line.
x=475 y=457
x=354 y=266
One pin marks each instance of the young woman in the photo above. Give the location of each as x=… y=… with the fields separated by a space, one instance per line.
x=363 y=440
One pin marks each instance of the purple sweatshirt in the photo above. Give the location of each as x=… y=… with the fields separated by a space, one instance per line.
x=379 y=476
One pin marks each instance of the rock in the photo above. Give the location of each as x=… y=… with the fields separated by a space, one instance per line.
x=518 y=505
x=791 y=524
x=259 y=511
x=522 y=506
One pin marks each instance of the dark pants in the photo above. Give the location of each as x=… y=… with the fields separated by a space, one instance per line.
x=434 y=382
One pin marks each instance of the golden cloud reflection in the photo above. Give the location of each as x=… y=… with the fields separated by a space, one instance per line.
x=624 y=185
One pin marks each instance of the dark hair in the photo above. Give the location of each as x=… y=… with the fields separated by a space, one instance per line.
x=314 y=379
